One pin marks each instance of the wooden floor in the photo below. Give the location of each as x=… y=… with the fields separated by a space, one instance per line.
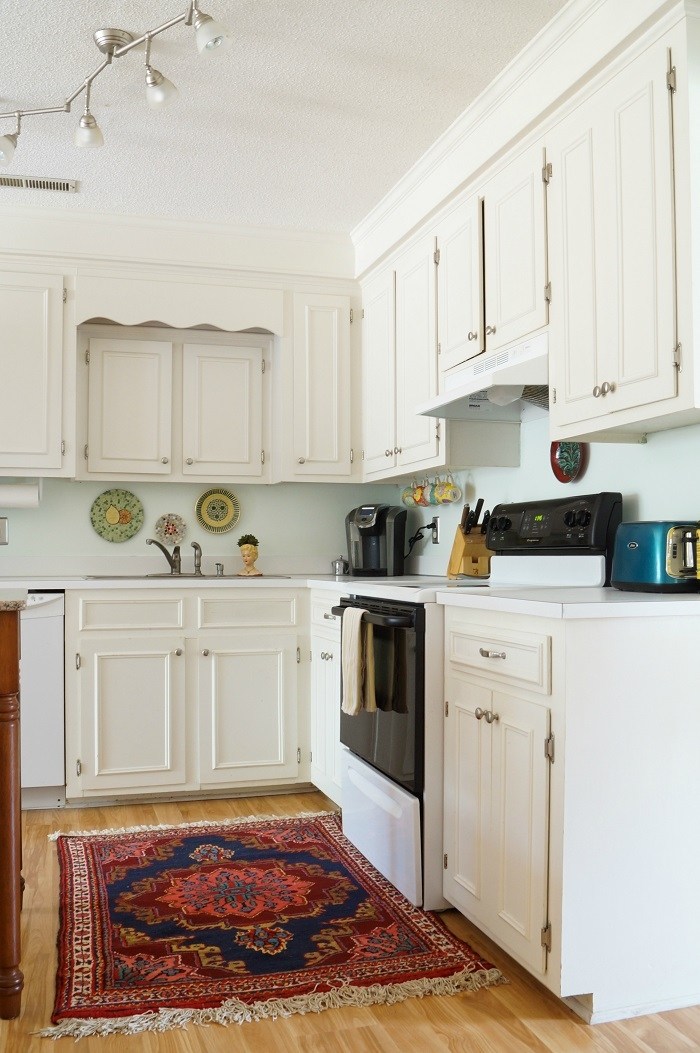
x=520 y=1017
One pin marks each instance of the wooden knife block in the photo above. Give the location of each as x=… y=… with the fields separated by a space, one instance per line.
x=469 y=556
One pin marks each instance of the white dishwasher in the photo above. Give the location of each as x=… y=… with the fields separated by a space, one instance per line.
x=41 y=695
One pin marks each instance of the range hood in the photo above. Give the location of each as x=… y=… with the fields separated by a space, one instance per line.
x=492 y=387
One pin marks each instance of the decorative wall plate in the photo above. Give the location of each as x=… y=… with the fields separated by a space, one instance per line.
x=568 y=460
x=170 y=529
x=116 y=515
x=218 y=511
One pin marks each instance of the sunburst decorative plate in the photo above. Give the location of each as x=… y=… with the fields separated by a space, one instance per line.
x=116 y=515
x=218 y=511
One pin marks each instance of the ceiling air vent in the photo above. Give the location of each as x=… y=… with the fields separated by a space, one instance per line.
x=63 y=186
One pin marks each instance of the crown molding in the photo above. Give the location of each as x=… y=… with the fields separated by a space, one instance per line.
x=541 y=77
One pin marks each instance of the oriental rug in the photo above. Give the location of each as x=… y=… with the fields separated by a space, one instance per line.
x=238 y=921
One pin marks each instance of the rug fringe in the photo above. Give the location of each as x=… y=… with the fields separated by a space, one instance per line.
x=183 y=826
x=234 y=1011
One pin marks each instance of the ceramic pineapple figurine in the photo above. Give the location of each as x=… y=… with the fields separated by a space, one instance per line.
x=248 y=544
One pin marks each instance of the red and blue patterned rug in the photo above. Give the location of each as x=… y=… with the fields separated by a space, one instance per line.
x=237 y=921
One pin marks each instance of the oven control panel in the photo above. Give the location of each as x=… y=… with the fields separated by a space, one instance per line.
x=582 y=524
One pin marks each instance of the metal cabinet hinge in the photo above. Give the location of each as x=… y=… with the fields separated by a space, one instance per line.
x=437 y=431
x=548 y=292
x=264 y=367
x=352 y=455
x=87 y=357
x=65 y=296
x=362 y=315
x=436 y=256
x=677 y=357
x=85 y=451
x=298 y=655
x=447 y=708
x=78 y=768
x=546 y=936
x=547 y=172
x=262 y=456
x=352 y=316
x=554 y=396
x=77 y=661
x=671 y=79
x=63 y=447
x=549 y=748
x=298 y=755
x=444 y=861
x=439 y=348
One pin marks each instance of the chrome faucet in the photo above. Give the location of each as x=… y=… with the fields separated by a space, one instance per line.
x=174 y=560
x=197 y=557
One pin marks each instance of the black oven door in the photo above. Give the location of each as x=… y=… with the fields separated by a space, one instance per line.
x=392 y=738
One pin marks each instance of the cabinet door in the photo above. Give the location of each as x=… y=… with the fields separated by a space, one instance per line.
x=31 y=309
x=132 y=717
x=496 y=815
x=247 y=708
x=460 y=325
x=378 y=375
x=612 y=241
x=321 y=399
x=416 y=354
x=129 y=406
x=515 y=257
x=222 y=400
x=325 y=714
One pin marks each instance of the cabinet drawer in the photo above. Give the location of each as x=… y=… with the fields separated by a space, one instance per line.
x=265 y=610
x=503 y=655
x=322 y=616
x=149 y=612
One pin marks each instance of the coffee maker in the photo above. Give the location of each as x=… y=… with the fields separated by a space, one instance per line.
x=376 y=539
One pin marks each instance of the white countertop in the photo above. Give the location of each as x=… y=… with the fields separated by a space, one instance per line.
x=575 y=602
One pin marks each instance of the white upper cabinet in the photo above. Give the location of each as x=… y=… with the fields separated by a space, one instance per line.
x=175 y=410
x=611 y=222
x=129 y=406
x=321 y=400
x=222 y=400
x=31 y=397
x=515 y=253
x=460 y=304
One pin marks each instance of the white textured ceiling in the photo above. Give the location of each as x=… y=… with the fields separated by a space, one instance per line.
x=311 y=115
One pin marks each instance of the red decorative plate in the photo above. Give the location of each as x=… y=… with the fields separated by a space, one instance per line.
x=568 y=460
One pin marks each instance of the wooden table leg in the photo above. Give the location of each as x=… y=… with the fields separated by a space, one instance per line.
x=11 y=978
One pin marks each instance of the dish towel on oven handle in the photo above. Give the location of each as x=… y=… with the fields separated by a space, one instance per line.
x=357 y=658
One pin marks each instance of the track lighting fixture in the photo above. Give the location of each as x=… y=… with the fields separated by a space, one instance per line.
x=210 y=37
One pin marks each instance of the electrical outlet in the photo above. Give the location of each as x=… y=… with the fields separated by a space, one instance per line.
x=435 y=527
x=4 y=531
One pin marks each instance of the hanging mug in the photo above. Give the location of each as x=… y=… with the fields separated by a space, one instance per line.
x=407 y=496
x=421 y=494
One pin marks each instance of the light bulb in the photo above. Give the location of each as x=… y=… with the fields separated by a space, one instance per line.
x=209 y=35
x=7 y=148
x=88 y=133
x=159 y=90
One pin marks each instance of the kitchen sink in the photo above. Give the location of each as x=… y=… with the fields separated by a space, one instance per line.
x=177 y=577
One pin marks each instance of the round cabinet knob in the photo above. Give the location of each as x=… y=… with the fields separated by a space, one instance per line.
x=205 y=652
x=471 y=335
x=491 y=717
x=597 y=392
x=397 y=449
x=164 y=460
x=490 y=330
x=190 y=460
x=479 y=713
x=607 y=388
x=301 y=460
x=178 y=652
x=387 y=453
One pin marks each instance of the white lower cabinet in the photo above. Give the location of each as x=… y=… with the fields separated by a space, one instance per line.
x=165 y=692
x=325 y=770
x=496 y=814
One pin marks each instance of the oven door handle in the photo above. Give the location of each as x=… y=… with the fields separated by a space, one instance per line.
x=387 y=621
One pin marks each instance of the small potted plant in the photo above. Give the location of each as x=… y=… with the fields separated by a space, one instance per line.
x=248 y=544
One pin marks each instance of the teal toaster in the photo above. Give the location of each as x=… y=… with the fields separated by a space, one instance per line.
x=651 y=557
